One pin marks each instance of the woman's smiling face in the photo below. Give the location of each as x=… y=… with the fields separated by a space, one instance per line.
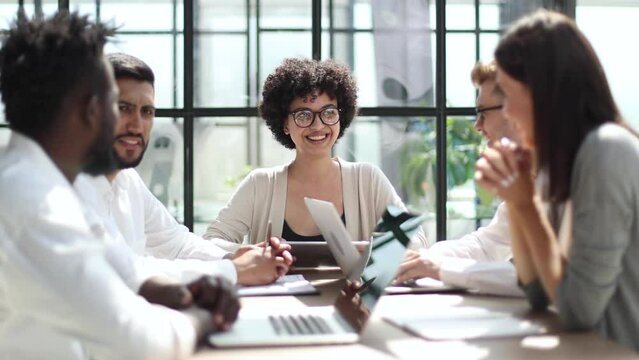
x=318 y=138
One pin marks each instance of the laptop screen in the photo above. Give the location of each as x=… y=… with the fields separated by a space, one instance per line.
x=388 y=249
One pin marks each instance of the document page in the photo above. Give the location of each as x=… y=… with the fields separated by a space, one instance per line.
x=285 y=285
x=419 y=286
x=463 y=323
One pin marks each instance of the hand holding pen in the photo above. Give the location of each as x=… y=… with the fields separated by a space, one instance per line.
x=350 y=303
x=366 y=285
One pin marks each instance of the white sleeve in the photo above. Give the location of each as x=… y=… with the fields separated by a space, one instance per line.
x=57 y=275
x=486 y=277
x=124 y=261
x=166 y=238
x=186 y=270
x=118 y=253
x=488 y=243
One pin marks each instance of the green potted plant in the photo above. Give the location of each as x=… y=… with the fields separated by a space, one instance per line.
x=419 y=160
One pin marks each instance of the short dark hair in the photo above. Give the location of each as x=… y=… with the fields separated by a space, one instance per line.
x=297 y=77
x=44 y=60
x=127 y=66
x=548 y=54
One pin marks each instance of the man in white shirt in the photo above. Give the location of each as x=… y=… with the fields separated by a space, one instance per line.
x=61 y=296
x=121 y=197
x=479 y=260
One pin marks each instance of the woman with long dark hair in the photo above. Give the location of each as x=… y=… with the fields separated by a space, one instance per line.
x=575 y=229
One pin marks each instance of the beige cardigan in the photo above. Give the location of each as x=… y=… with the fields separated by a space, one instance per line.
x=262 y=196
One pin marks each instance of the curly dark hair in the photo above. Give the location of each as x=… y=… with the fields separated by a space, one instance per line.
x=44 y=60
x=298 y=77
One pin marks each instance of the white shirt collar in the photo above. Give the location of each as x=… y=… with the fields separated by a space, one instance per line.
x=28 y=148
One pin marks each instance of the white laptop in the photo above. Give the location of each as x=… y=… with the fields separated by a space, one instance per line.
x=333 y=324
x=339 y=241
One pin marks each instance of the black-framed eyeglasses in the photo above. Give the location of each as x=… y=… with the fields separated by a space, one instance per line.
x=304 y=117
x=480 y=111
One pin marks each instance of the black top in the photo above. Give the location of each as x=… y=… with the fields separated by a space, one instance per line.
x=289 y=235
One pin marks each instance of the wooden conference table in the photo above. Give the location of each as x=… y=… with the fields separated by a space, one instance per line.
x=382 y=340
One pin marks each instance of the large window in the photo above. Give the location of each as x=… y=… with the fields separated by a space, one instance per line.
x=412 y=60
x=603 y=21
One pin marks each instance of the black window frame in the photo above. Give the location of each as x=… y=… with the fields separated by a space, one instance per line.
x=189 y=112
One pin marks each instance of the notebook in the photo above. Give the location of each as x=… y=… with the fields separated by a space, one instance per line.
x=286 y=285
x=465 y=323
x=335 y=324
x=422 y=286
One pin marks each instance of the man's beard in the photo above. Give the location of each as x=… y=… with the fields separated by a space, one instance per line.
x=101 y=159
x=122 y=163
x=126 y=164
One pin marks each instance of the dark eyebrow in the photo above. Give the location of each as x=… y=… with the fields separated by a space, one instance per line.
x=145 y=107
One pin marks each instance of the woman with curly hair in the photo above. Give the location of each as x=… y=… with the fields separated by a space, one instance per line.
x=307 y=105
x=581 y=254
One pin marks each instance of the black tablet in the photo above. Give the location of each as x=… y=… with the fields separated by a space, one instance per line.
x=313 y=254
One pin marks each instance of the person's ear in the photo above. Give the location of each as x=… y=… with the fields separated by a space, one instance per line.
x=286 y=130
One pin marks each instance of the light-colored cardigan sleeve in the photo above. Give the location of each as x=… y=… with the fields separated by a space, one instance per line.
x=599 y=288
x=260 y=197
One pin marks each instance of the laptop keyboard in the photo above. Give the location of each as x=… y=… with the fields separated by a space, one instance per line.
x=299 y=325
